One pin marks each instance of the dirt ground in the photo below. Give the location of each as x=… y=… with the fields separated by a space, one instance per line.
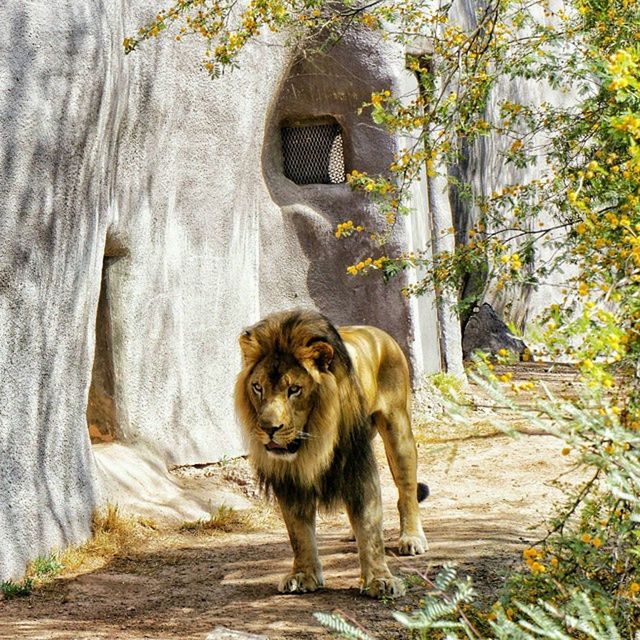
x=489 y=494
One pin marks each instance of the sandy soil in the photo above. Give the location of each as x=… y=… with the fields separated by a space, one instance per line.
x=489 y=494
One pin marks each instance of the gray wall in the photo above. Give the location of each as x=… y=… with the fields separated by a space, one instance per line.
x=144 y=185
x=488 y=171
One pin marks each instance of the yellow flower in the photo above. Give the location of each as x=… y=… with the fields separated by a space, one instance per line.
x=536 y=567
x=586 y=538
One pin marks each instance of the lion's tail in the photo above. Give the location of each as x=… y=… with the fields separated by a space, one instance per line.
x=423 y=491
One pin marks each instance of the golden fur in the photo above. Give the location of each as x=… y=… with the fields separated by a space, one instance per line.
x=309 y=399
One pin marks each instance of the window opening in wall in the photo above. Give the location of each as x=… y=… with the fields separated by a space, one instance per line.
x=101 y=406
x=313 y=153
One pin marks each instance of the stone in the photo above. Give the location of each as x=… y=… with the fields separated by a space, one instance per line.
x=485 y=331
x=222 y=633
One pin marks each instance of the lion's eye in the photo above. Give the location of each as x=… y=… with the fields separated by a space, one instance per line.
x=294 y=390
x=256 y=387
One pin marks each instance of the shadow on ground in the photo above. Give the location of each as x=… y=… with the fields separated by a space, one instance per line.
x=486 y=502
x=230 y=580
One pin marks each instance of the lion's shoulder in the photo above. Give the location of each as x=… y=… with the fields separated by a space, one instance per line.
x=379 y=365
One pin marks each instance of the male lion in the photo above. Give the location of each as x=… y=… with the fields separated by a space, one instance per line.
x=310 y=398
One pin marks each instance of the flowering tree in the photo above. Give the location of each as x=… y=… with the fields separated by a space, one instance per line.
x=581 y=209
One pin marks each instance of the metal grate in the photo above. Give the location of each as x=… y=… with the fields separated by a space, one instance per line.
x=313 y=154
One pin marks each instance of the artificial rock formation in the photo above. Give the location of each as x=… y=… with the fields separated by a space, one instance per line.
x=485 y=331
x=144 y=220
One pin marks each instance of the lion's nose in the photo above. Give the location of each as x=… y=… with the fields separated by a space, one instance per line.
x=272 y=429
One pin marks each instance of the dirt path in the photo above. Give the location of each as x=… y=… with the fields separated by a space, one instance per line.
x=488 y=494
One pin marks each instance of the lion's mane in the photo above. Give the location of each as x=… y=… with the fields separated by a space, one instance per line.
x=337 y=450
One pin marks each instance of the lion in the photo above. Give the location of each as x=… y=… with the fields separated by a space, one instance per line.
x=310 y=398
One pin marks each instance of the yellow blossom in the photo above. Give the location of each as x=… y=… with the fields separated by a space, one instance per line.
x=537 y=567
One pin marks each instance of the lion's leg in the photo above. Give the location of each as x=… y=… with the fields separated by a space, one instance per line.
x=400 y=447
x=306 y=574
x=364 y=506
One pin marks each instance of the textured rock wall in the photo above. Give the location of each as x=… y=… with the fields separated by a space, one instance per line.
x=144 y=185
x=487 y=170
x=336 y=85
x=145 y=161
x=53 y=221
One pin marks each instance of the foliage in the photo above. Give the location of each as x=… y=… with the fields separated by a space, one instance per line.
x=593 y=544
x=449 y=385
x=40 y=570
x=11 y=589
x=336 y=623
x=442 y=612
x=44 y=567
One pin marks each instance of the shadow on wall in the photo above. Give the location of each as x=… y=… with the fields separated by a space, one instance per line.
x=331 y=87
x=60 y=124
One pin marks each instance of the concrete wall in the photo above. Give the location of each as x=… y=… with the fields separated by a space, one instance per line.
x=488 y=171
x=138 y=196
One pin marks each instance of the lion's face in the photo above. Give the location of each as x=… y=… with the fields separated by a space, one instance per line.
x=282 y=394
x=288 y=395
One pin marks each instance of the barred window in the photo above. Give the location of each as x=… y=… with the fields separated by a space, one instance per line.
x=313 y=153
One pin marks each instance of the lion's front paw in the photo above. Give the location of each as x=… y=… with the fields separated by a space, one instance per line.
x=300 y=582
x=413 y=545
x=386 y=587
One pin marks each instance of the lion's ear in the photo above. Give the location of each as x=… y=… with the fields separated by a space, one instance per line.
x=249 y=347
x=316 y=357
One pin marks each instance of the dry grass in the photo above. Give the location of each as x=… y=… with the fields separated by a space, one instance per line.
x=114 y=533
x=117 y=534
x=226 y=520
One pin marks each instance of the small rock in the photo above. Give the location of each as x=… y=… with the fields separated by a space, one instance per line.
x=485 y=331
x=222 y=633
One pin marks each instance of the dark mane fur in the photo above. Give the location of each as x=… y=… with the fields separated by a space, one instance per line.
x=352 y=458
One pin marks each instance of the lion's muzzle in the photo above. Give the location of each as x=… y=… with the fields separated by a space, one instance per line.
x=276 y=448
